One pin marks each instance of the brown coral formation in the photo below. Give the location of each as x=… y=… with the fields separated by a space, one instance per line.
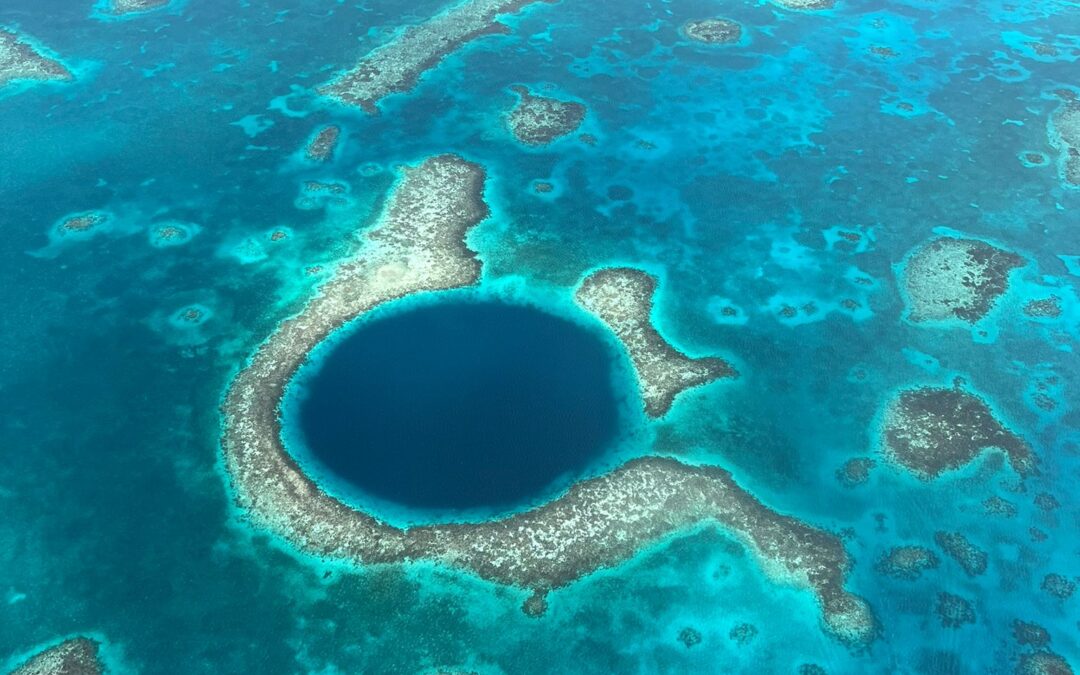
x=907 y=562
x=170 y=233
x=1046 y=502
x=19 y=60
x=969 y=556
x=1030 y=634
x=82 y=222
x=1043 y=663
x=135 y=6
x=622 y=298
x=998 y=506
x=321 y=147
x=321 y=187
x=418 y=245
x=1064 y=132
x=931 y=430
x=713 y=31
x=806 y=4
x=1058 y=586
x=1045 y=308
x=951 y=279
x=397 y=65
x=539 y=120
x=743 y=634
x=855 y=471
x=954 y=611
x=690 y=637
x=76 y=656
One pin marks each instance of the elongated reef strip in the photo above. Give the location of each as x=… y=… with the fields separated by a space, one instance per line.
x=622 y=298
x=76 y=656
x=418 y=245
x=931 y=430
x=322 y=146
x=19 y=60
x=970 y=557
x=397 y=65
x=135 y=6
x=1064 y=132
x=806 y=4
x=951 y=279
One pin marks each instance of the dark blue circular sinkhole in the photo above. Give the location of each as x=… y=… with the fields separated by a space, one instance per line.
x=461 y=405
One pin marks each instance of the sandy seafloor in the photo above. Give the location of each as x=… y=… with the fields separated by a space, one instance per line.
x=116 y=519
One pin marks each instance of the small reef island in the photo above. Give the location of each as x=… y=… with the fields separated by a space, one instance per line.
x=75 y=656
x=931 y=430
x=21 y=61
x=397 y=65
x=952 y=279
x=539 y=120
x=322 y=146
x=122 y=7
x=806 y=4
x=713 y=31
x=418 y=246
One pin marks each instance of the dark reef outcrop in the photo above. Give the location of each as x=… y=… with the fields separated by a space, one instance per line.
x=932 y=430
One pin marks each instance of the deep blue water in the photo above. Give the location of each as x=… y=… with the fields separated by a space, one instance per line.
x=461 y=405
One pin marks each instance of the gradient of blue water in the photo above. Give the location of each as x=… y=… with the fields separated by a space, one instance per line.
x=461 y=405
x=117 y=518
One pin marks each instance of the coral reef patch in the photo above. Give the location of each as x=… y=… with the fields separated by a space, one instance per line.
x=1064 y=132
x=20 y=60
x=622 y=298
x=932 y=430
x=713 y=31
x=907 y=562
x=539 y=120
x=75 y=656
x=953 y=279
x=397 y=65
x=418 y=245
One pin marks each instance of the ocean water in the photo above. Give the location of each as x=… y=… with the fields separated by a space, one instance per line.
x=727 y=172
x=458 y=406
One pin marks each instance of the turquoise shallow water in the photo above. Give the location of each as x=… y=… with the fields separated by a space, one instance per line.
x=728 y=172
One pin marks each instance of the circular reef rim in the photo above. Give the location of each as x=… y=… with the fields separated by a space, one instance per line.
x=418 y=245
x=627 y=418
